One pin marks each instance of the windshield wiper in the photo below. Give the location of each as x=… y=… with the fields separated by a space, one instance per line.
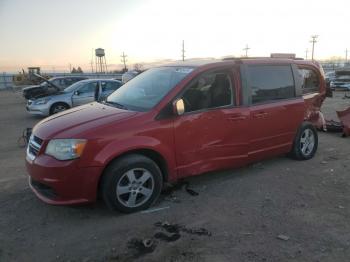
x=116 y=104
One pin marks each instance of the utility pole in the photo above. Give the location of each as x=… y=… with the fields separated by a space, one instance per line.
x=306 y=51
x=183 y=50
x=313 y=41
x=92 y=60
x=70 y=68
x=123 y=60
x=246 y=50
x=346 y=55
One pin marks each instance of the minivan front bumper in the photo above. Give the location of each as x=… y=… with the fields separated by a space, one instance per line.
x=62 y=182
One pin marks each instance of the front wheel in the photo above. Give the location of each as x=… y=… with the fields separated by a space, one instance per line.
x=131 y=183
x=58 y=107
x=305 y=142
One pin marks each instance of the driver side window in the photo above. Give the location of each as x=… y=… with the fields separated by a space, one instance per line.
x=88 y=88
x=210 y=90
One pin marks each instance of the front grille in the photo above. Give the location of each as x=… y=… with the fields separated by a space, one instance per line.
x=34 y=146
x=43 y=189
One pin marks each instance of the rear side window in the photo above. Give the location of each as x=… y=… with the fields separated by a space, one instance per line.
x=311 y=81
x=88 y=88
x=270 y=82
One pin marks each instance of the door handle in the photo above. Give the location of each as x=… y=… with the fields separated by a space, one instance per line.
x=260 y=115
x=236 y=118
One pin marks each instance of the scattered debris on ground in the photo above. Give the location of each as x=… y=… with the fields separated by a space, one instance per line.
x=283 y=237
x=168 y=191
x=141 y=246
x=176 y=228
x=344 y=117
x=23 y=140
x=167 y=238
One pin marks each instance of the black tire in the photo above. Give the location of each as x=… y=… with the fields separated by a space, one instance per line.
x=115 y=176
x=301 y=150
x=58 y=107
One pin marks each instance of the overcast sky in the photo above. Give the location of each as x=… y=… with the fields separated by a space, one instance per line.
x=56 y=33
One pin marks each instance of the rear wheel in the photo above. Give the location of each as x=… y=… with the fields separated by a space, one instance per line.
x=131 y=183
x=58 y=107
x=305 y=142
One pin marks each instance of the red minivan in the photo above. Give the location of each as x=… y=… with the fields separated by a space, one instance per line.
x=172 y=122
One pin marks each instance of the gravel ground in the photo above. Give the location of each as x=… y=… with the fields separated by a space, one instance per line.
x=276 y=210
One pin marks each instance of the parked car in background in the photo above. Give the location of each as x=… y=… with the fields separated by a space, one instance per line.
x=80 y=93
x=172 y=122
x=50 y=86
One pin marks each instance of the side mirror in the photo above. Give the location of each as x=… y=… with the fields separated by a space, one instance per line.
x=76 y=93
x=179 y=107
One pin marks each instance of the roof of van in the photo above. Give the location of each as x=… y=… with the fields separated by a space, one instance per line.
x=243 y=60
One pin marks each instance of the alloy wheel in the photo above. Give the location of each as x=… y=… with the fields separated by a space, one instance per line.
x=135 y=187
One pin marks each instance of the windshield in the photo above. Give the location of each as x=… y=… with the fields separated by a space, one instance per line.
x=73 y=87
x=147 y=89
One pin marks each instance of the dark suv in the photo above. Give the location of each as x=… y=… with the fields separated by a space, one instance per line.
x=51 y=86
x=172 y=122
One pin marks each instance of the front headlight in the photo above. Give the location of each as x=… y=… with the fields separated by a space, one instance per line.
x=41 y=101
x=65 y=149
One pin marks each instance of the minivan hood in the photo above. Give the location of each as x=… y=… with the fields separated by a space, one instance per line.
x=76 y=122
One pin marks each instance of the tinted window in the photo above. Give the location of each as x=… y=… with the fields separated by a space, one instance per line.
x=208 y=91
x=311 y=82
x=109 y=86
x=269 y=82
x=88 y=88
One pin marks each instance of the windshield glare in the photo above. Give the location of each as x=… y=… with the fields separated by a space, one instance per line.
x=147 y=89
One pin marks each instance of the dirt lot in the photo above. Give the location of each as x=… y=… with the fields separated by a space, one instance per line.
x=245 y=210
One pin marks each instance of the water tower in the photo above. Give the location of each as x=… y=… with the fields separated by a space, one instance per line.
x=101 y=64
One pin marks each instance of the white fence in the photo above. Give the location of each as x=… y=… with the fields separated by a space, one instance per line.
x=6 y=80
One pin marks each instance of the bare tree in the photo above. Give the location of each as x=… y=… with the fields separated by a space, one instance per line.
x=138 y=67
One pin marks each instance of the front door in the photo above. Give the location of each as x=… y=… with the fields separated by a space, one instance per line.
x=210 y=134
x=85 y=94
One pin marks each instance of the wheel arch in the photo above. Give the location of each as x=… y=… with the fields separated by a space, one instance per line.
x=58 y=102
x=147 y=152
